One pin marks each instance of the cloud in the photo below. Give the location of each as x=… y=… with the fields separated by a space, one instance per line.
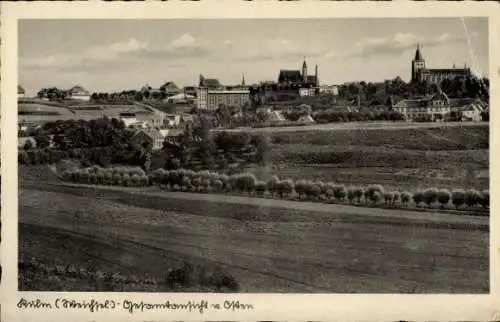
x=120 y=53
x=399 y=43
x=281 y=49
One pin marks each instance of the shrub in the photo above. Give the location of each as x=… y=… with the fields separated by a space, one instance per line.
x=285 y=187
x=405 y=198
x=388 y=197
x=300 y=187
x=218 y=185
x=339 y=192
x=396 y=197
x=429 y=196
x=472 y=197
x=418 y=198
x=485 y=198
x=443 y=197
x=314 y=190
x=377 y=197
x=272 y=184
x=260 y=188
x=185 y=182
x=370 y=192
x=351 y=194
x=358 y=193
x=135 y=180
x=126 y=180
x=458 y=197
x=117 y=179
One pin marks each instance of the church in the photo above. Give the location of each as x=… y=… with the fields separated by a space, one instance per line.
x=420 y=73
x=296 y=78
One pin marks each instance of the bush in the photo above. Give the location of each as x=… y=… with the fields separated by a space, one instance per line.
x=396 y=197
x=485 y=198
x=418 y=197
x=218 y=185
x=458 y=197
x=272 y=185
x=135 y=180
x=472 y=197
x=126 y=180
x=351 y=194
x=300 y=187
x=429 y=196
x=339 y=192
x=286 y=187
x=185 y=182
x=388 y=197
x=371 y=191
x=405 y=198
x=260 y=188
x=443 y=197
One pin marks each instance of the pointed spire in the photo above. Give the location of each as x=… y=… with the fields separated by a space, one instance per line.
x=304 y=63
x=418 y=54
x=243 y=80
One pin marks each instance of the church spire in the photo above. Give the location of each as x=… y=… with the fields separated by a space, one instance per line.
x=243 y=80
x=418 y=54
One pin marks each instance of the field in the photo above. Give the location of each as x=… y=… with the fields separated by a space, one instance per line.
x=265 y=244
x=271 y=245
x=399 y=158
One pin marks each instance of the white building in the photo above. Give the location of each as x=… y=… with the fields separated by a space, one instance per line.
x=211 y=99
x=79 y=93
x=307 y=91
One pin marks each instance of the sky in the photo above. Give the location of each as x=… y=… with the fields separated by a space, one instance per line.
x=112 y=55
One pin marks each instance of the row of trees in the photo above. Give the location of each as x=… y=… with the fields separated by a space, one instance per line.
x=189 y=180
x=128 y=177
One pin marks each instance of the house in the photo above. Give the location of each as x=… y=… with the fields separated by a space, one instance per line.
x=472 y=112
x=306 y=119
x=434 y=108
x=208 y=99
x=21 y=93
x=148 y=137
x=210 y=83
x=170 y=89
x=304 y=91
x=173 y=135
x=190 y=90
x=172 y=120
x=79 y=93
x=21 y=142
x=181 y=98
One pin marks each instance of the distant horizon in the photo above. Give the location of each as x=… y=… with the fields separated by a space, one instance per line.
x=116 y=55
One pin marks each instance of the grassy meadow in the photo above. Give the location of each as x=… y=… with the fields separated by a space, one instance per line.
x=84 y=238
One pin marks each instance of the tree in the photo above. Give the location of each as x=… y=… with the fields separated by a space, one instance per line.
x=28 y=145
x=472 y=197
x=405 y=198
x=443 y=197
x=42 y=139
x=458 y=197
x=370 y=192
x=429 y=196
x=418 y=198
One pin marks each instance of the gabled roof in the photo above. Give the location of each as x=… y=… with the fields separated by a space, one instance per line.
x=418 y=54
x=292 y=76
x=77 y=89
x=440 y=96
x=169 y=85
x=152 y=133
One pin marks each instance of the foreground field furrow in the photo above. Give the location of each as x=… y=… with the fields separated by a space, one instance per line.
x=315 y=253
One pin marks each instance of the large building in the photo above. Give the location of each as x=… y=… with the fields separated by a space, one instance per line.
x=79 y=93
x=297 y=78
x=419 y=72
x=208 y=99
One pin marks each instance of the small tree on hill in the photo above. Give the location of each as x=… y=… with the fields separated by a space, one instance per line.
x=458 y=197
x=429 y=196
x=443 y=197
x=388 y=197
x=418 y=198
x=405 y=198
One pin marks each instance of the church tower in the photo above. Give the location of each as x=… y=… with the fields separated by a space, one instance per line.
x=316 y=78
x=417 y=65
x=243 y=80
x=304 y=71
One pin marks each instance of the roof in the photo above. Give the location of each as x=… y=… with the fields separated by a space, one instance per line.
x=77 y=89
x=152 y=133
x=20 y=89
x=457 y=102
x=418 y=54
x=181 y=96
x=461 y=71
x=209 y=82
x=440 y=96
x=170 y=85
x=411 y=103
x=292 y=76
x=229 y=92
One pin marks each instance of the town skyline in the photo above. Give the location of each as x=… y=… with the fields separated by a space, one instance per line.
x=113 y=55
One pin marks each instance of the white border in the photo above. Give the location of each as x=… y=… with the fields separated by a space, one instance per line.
x=293 y=307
